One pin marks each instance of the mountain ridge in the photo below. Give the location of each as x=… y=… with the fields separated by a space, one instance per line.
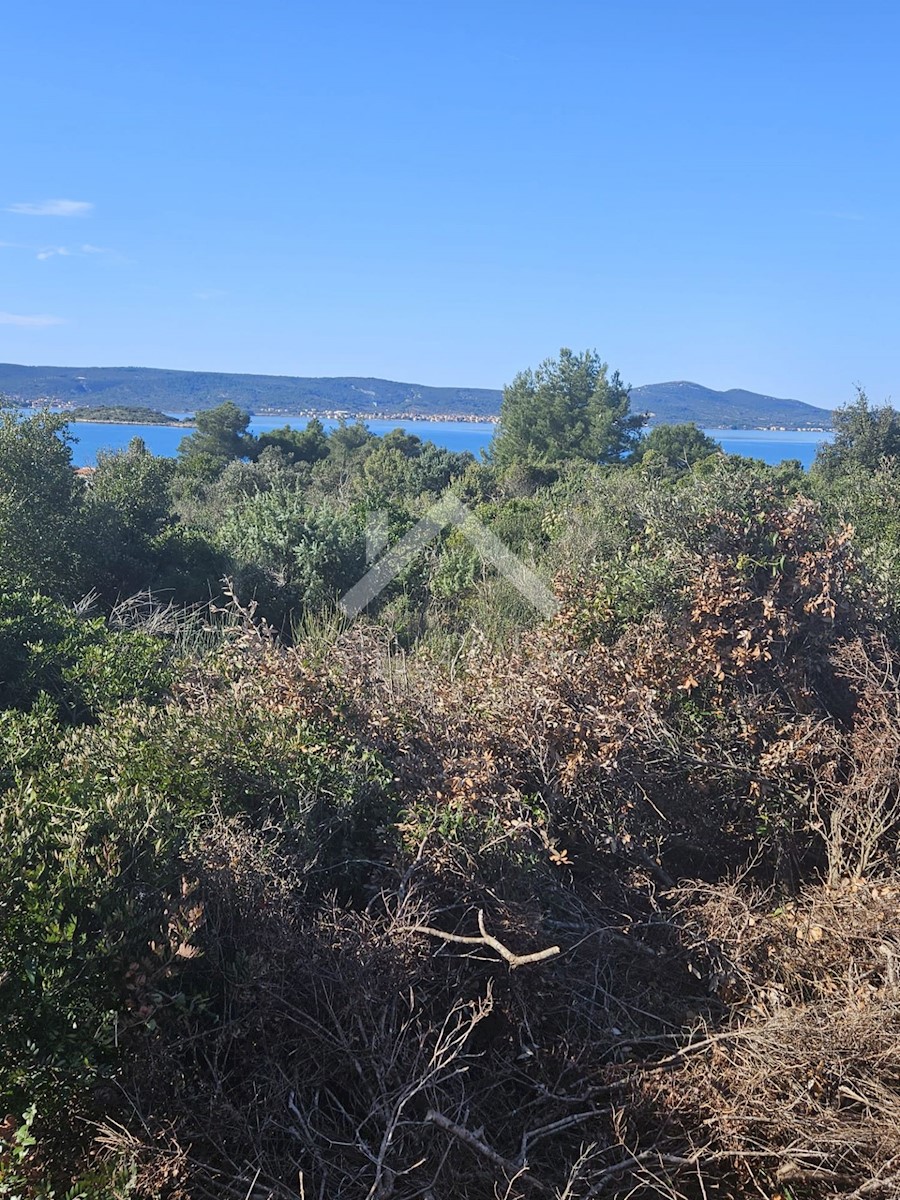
x=736 y=408
x=189 y=391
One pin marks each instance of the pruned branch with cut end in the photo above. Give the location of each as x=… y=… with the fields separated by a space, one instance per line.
x=486 y=939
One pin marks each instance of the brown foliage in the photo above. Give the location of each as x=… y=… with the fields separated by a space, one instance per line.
x=808 y=1072
x=713 y=1039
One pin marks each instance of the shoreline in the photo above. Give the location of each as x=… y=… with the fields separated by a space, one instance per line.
x=337 y=414
x=71 y=420
x=432 y=419
x=492 y=419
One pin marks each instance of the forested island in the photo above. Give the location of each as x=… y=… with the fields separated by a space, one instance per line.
x=577 y=878
x=115 y=413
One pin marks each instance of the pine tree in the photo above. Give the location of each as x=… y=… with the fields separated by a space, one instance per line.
x=568 y=408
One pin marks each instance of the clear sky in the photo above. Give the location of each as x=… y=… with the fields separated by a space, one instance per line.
x=446 y=191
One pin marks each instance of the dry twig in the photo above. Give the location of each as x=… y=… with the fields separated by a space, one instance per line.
x=486 y=939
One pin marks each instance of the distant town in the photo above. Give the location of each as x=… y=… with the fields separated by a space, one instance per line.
x=136 y=415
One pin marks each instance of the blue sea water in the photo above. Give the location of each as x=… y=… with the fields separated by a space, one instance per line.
x=164 y=439
x=772 y=446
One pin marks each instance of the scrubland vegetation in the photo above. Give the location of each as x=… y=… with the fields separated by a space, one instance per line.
x=451 y=901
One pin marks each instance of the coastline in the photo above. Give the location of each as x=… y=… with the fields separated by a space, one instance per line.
x=330 y=415
x=174 y=424
x=337 y=414
x=73 y=415
x=422 y=418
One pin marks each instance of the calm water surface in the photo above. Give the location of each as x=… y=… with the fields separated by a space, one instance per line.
x=772 y=446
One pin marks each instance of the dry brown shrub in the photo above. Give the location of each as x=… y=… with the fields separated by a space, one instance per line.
x=856 y=799
x=718 y=1039
x=803 y=1088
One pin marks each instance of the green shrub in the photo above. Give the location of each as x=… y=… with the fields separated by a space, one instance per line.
x=288 y=556
x=79 y=664
x=101 y=940
x=41 y=529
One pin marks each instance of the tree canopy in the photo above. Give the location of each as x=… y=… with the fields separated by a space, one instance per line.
x=221 y=434
x=308 y=445
x=568 y=408
x=864 y=435
x=39 y=502
x=670 y=449
x=126 y=507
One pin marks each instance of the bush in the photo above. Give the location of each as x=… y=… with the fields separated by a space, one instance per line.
x=40 y=505
x=126 y=509
x=289 y=557
x=79 y=665
x=103 y=942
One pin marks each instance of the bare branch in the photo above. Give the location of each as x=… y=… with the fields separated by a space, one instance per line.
x=487 y=939
x=474 y=1142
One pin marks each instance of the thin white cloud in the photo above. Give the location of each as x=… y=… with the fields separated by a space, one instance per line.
x=211 y=294
x=53 y=208
x=42 y=253
x=87 y=250
x=29 y=322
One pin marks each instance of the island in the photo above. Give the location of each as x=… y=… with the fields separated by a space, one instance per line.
x=122 y=414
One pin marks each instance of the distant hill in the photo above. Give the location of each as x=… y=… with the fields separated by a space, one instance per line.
x=188 y=391
x=673 y=403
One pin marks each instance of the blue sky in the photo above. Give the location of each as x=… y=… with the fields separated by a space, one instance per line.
x=446 y=192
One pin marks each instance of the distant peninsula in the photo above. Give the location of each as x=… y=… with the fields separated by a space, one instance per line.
x=127 y=390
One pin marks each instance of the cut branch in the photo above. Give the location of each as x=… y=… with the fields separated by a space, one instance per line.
x=487 y=939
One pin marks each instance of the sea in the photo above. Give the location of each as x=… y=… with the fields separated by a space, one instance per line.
x=771 y=445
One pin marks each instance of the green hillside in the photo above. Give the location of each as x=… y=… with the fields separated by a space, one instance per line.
x=672 y=403
x=189 y=391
